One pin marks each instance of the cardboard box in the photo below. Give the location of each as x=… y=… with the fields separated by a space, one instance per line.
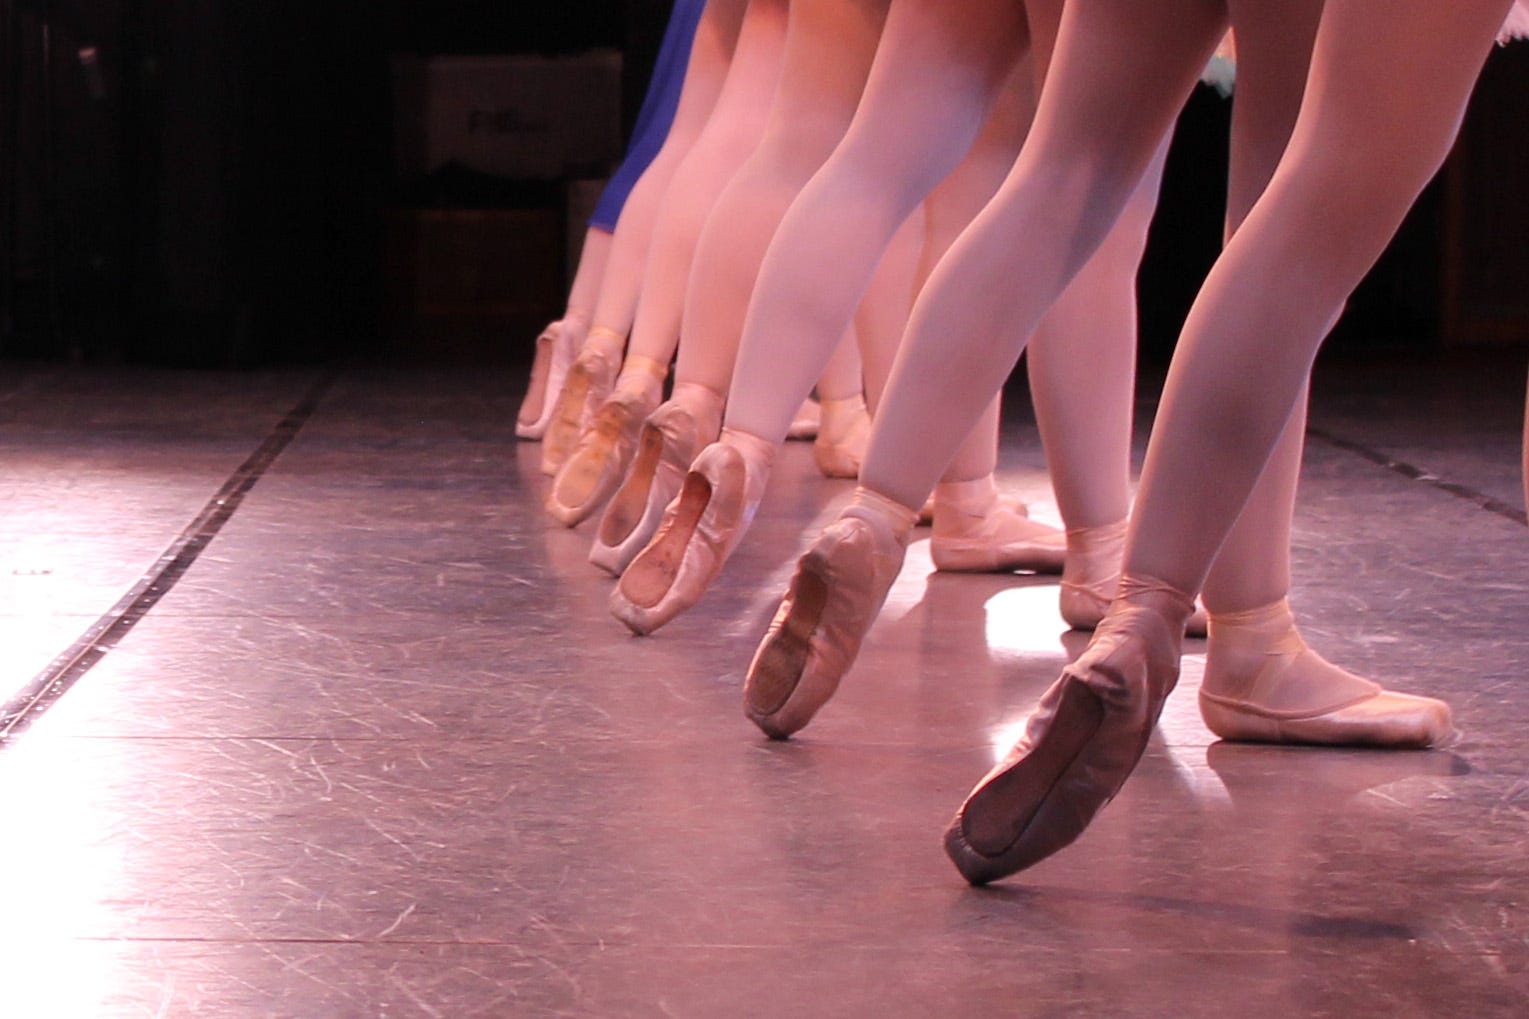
x=518 y=116
x=472 y=285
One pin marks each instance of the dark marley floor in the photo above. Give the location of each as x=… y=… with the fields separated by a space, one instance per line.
x=373 y=746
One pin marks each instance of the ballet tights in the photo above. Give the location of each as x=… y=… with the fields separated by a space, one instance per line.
x=1384 y=100
x=930 y=85
x=710 y=56
x=731 y=134
x=1078 y=169
x=829 y=46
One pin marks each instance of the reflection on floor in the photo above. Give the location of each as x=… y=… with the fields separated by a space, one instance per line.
x=381 y=750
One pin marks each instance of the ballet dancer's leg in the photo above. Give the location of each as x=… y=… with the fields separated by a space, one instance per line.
x=933 y=78
x=559 y=341
x=1261 y=680
x=977 y=530
x=844 y=419
x=600 y=349
x=812 y=631
x=556 y=345
x=731 y=134
x=827 y=51
x=1082 y=367
x=1383 y=102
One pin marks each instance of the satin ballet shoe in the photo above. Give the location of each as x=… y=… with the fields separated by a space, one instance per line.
x=1263 y=684
x=554 y=355
x=589 y=382
x=843 y=433
x=1083 y=741
x=699 y=530
x=1092 y=571
x=976 y=531
x=838 y=589
x=670 y=439
x=598 y=463
x=809 y=416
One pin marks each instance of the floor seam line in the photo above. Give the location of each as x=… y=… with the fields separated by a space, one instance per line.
x=1413 y=473
x=91 y=646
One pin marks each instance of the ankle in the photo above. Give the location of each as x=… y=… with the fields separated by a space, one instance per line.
x=882 y=512
x=838 y=417
x=1139 y=591
x=960 y=506
x=641 y=380
x=604 y=344
x=703 y=404
x=755 y=449
x=1094 y=555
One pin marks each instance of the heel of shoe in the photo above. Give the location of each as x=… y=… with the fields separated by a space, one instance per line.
x=1085 y=738
x=542 y=388
x=598 y=464
x=843 y=431
x=716 y=504
x=670 y=440
x=838 y=590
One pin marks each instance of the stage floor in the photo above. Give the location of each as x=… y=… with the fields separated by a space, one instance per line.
x=372 y=745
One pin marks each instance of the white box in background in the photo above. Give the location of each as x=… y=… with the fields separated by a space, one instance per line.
x=519 y=116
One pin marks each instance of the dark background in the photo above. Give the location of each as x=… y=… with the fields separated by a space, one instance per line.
x=212 y=184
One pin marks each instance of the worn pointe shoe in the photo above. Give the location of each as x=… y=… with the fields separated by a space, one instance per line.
x=700 y=528
x=598 y=463
x=843 y=432
x=977 y=531
x=839 y=587
x=1091 y=572
x=588 y=477
x=1264 y=685
x=670 y=440
x=554 y=355
x=588 y=383
x=809 y=416
x=1086 y=736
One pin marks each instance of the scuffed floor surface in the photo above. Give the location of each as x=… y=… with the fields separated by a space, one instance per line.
x=381 y=750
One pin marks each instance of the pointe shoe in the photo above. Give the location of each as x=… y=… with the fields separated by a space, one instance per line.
x=1091 y=573
x=808 y=418
x=976 y=531
x=1264 y=685
x=554 y=355
x=700 y=528
x=843 y=433
x=589 y=382
x=597 y=465
x=1085 y=738
x=670 y=440
x=839 y=587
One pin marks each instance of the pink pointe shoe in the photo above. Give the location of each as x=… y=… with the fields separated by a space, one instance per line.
x=670 y=440
x=1085 y=738
x=554 y=355
x=1264 y=685
x=590 y=380
x=843 y=431
x=700 y=528
x=588 y=477
x=597 y=464
x=839 y=587
x=809 y=416
x=1091 y=573
x=978 y=531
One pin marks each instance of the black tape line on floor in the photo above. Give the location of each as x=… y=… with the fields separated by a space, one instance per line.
x=1478 y=498
x=65 y=670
